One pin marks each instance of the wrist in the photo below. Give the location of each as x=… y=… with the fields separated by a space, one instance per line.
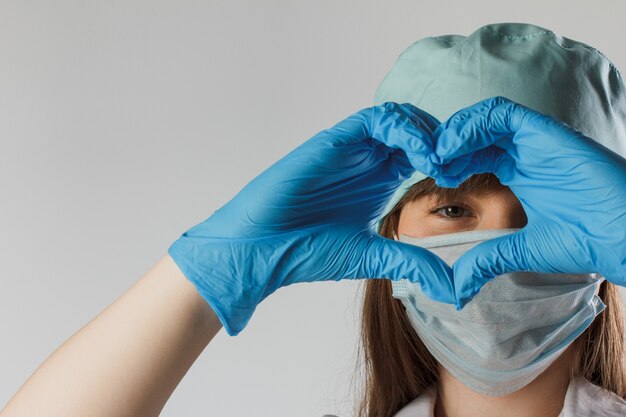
x=203 y=319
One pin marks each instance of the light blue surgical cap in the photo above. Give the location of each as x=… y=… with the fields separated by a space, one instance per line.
x=536 y=67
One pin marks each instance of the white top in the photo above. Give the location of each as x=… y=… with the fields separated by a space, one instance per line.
x=582 y=399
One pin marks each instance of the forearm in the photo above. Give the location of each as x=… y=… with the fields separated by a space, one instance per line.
x=128 y=360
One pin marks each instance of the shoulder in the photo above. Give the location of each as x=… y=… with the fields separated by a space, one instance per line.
x=586 y=399
x=422 y=406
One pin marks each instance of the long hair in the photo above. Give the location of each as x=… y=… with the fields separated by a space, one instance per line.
x=396 y=365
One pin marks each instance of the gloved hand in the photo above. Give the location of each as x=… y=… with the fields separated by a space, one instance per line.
x=571 y=187
x=308 y=217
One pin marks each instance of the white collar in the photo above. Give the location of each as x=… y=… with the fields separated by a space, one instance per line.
x=582 y=399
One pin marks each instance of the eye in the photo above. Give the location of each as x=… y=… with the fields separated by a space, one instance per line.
x=451 y=211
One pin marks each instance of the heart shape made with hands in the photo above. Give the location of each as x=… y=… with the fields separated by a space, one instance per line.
x=308 y=216
x=570 y=186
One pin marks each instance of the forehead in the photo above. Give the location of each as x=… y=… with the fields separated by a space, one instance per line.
x=477 y=185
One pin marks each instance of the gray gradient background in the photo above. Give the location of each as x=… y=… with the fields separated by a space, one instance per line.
x=124 y=123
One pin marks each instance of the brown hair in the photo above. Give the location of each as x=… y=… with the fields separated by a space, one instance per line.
x=396 y=365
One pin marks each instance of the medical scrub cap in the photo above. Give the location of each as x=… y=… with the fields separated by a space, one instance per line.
x=536 y=67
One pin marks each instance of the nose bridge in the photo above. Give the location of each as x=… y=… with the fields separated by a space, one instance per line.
x=502 y=211
x=504 y=220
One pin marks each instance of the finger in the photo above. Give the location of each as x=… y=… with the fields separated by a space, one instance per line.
x=389 y=259
x=398 y=126
x=454 y=173
x=486 y=123
x=404 y=126
x=416 y=114
x=491 y=159
x=398 y=159
x=488 y=259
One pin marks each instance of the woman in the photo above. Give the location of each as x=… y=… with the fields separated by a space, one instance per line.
x=311 y=215
x=543 y=70
x=401 y=370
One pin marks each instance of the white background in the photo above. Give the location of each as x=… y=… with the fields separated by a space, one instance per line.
x=124 y=123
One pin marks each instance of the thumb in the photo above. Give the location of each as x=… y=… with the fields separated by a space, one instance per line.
x=486 y=260
x=389 y=259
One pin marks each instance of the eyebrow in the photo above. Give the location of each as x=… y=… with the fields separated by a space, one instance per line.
x=440 y=194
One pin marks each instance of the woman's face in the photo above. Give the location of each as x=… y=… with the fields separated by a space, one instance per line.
x=427 y=217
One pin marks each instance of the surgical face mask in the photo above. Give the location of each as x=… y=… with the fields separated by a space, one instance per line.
x=512 y=330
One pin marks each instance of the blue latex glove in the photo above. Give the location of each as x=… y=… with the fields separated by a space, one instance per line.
x=308 y=217
x=571 y=187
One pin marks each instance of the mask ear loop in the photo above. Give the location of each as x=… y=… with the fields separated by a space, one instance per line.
x=597 y=293
x=399 y=288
